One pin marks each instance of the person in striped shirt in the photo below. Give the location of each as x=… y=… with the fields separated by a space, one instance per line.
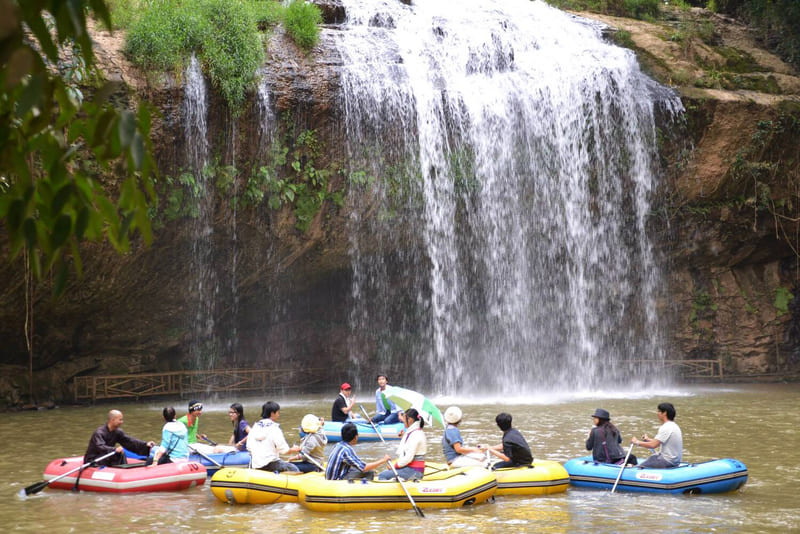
x=344 y=463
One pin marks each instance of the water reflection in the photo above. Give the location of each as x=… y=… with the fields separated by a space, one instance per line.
x=756 y=424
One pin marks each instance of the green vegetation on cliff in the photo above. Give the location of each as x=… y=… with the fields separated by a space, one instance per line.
x=638 y=9
x=226 y=35
x=777 y=22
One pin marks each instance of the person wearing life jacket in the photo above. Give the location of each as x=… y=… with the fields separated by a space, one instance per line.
x=410 y=464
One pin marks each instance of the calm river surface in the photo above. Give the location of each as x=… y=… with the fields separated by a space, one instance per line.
x=757 y=424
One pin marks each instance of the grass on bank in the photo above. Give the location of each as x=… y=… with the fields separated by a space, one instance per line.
x=226 y=35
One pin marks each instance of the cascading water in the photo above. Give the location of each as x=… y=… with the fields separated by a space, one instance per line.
x=195 y=110
x=503 y=244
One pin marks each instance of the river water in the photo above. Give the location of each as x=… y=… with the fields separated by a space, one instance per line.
x=757 y=424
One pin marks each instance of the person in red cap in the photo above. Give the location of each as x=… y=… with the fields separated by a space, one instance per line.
x=343 y=405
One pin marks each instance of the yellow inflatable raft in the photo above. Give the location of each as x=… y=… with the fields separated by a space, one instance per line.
x=542 y=478
x=253 y=486
x=444 y=489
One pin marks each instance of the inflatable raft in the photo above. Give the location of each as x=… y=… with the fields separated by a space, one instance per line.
x=715 y=476
x=253 y=486
x=445 y=489
x=125 y=479
x=239 y=459
x=225 y=459
x=542 y=478
x=333 y=431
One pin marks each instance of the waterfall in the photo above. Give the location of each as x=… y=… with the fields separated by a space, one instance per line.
x=502 y=158
x=195 y=110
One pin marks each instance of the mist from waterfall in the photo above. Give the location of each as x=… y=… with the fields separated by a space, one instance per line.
x=502 y=244
x=195 y=111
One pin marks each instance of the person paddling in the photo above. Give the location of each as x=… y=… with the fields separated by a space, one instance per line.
x=604 y=440
x=410 y=464
x=669 y=438
x=109 y=438
x=192 y=421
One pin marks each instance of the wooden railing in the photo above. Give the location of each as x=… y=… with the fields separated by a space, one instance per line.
x=183 y=382
x=93 y=388
x=686 y=368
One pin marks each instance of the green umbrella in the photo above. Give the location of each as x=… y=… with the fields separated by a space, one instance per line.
x=408 y=398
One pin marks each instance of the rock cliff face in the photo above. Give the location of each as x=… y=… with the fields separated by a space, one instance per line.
x=729 y=209
x=726 y=224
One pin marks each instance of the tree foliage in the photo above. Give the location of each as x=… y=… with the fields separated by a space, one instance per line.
x=55 y=148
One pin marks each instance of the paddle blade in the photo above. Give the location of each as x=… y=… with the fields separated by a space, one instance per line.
x=419 y=511
x=33 y=488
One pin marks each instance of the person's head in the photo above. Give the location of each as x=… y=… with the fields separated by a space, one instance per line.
x=503 y=421
x=601 y=416
x=412 y=416
x=382 y=381
x=349 y=433
x=270 y=410
x=236 y=412
x=195 y=408
x=114 y=419
x=668 y=410
x=168 y=413
x=310 y=423
x=453 y=415
x=346 y=389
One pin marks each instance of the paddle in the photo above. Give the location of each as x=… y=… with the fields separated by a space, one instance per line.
x=621 y=469
x=391 y=466
x=213 y=461
x=375 y=428
x=313 y=461
x=212 y=443
x=39 y=486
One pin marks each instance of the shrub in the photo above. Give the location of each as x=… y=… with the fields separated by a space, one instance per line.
x=164 y=35
x=123 y=12
x=301 y=20
x=231 y=48
x=641 y=9
x=267 y=13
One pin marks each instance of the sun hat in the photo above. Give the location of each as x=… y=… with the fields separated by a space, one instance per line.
x=601 y=414
x=310 y=423
x=452 y=415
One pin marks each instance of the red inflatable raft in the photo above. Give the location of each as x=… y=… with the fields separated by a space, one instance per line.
x=126 y=479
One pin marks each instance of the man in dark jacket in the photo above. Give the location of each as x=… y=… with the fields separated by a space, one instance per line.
x=109 y=438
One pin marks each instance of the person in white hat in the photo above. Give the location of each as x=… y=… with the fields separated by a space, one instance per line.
x=456 y=454
x=312 y=446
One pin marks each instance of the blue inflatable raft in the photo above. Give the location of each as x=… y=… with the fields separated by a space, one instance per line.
x=333 y=431
x=715 y=476
x=225 y=459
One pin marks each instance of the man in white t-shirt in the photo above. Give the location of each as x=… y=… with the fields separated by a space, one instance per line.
x=669 y=438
